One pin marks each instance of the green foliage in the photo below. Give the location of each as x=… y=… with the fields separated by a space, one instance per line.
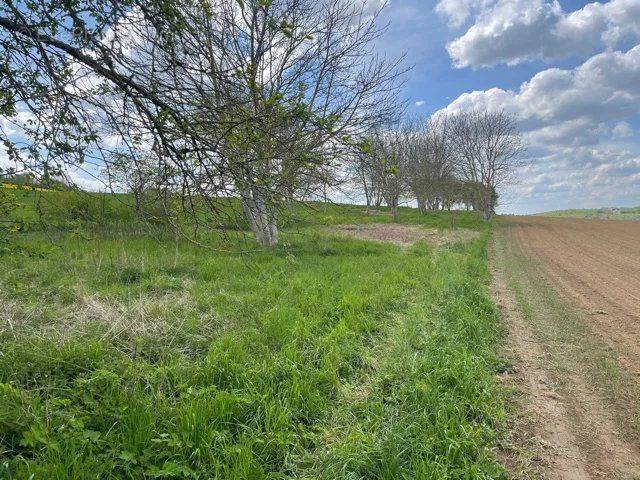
x=66 y=210
x=132 y=357
x=111 y=213
x=6 y=203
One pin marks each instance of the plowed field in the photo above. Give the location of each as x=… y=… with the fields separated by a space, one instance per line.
x=595 y=264
x=570 y=293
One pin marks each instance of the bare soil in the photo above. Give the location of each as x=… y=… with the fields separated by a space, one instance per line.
x=557 y=454
x=595 y=264
x=405 y=235
x=576 y=428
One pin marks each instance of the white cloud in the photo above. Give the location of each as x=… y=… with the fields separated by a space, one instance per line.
x=14 y=126
x=420 y=103
x=87 y=183
x=371 y=7
x=622 y=130
x=514 y=31
x=567 y=104
x=577 y=178
x=572 y=121
x=5 y=163
x=457 y=12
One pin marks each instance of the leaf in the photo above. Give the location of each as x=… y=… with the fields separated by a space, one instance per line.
x=91 y=435
x=36 y=437
x=128 y=457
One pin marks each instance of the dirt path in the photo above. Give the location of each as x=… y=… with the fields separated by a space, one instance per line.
x=570 y=293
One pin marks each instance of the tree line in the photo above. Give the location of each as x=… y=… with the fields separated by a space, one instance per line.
x=446 y=160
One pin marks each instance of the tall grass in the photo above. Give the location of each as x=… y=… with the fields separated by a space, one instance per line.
x=133 y=357
x=109 y=214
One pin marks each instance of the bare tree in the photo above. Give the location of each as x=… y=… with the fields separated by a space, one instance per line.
x=241 y=97
x=137 y=174
x=489 y=148
x=364 y=171
x=386 y=156
x=428 y=164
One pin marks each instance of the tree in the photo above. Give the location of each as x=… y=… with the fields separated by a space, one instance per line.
x=488 y=147
x=427 y=161
x=387 y=154
x=136 y=174
x=364 y=171
x=240 y=97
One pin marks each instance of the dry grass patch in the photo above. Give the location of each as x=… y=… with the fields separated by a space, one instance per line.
x=162 y=318
x=406 y=235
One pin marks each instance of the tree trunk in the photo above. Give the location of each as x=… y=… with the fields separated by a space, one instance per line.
x=487 y=209
x=422 y=205
x=262 y=220
x=138 y=204
x=326 y=198
x=394 y=210
x=367 y=196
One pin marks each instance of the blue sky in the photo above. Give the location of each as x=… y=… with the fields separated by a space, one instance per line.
x=581 y=131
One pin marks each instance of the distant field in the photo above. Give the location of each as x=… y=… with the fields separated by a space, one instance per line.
x=632 y=213
x=136 y=354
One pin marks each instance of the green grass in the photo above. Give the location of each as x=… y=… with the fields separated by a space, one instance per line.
x=131 y=356
x=602 y=213
x=109 y=213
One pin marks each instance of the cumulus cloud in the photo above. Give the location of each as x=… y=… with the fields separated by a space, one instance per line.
x=371 y=7
x=565 y=104
x=457 y=12
x=5 y=163
x=420 y=103
x=622 y=130
x=571 y=119
x=578 y=178
x=515 y=31
x=87 y=181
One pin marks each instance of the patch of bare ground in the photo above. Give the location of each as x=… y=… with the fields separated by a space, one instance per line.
x=405 y=235
x=595 y=265
x=574 y=404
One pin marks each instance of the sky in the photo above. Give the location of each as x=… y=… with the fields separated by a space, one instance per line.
x=569 y=70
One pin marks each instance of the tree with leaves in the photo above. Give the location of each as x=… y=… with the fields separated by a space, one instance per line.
x=239 y=97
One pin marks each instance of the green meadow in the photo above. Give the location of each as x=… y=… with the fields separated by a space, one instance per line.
x=632 y=213
x=128 y=351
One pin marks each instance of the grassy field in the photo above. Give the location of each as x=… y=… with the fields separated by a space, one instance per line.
x=131 y=355
x=601 y=213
